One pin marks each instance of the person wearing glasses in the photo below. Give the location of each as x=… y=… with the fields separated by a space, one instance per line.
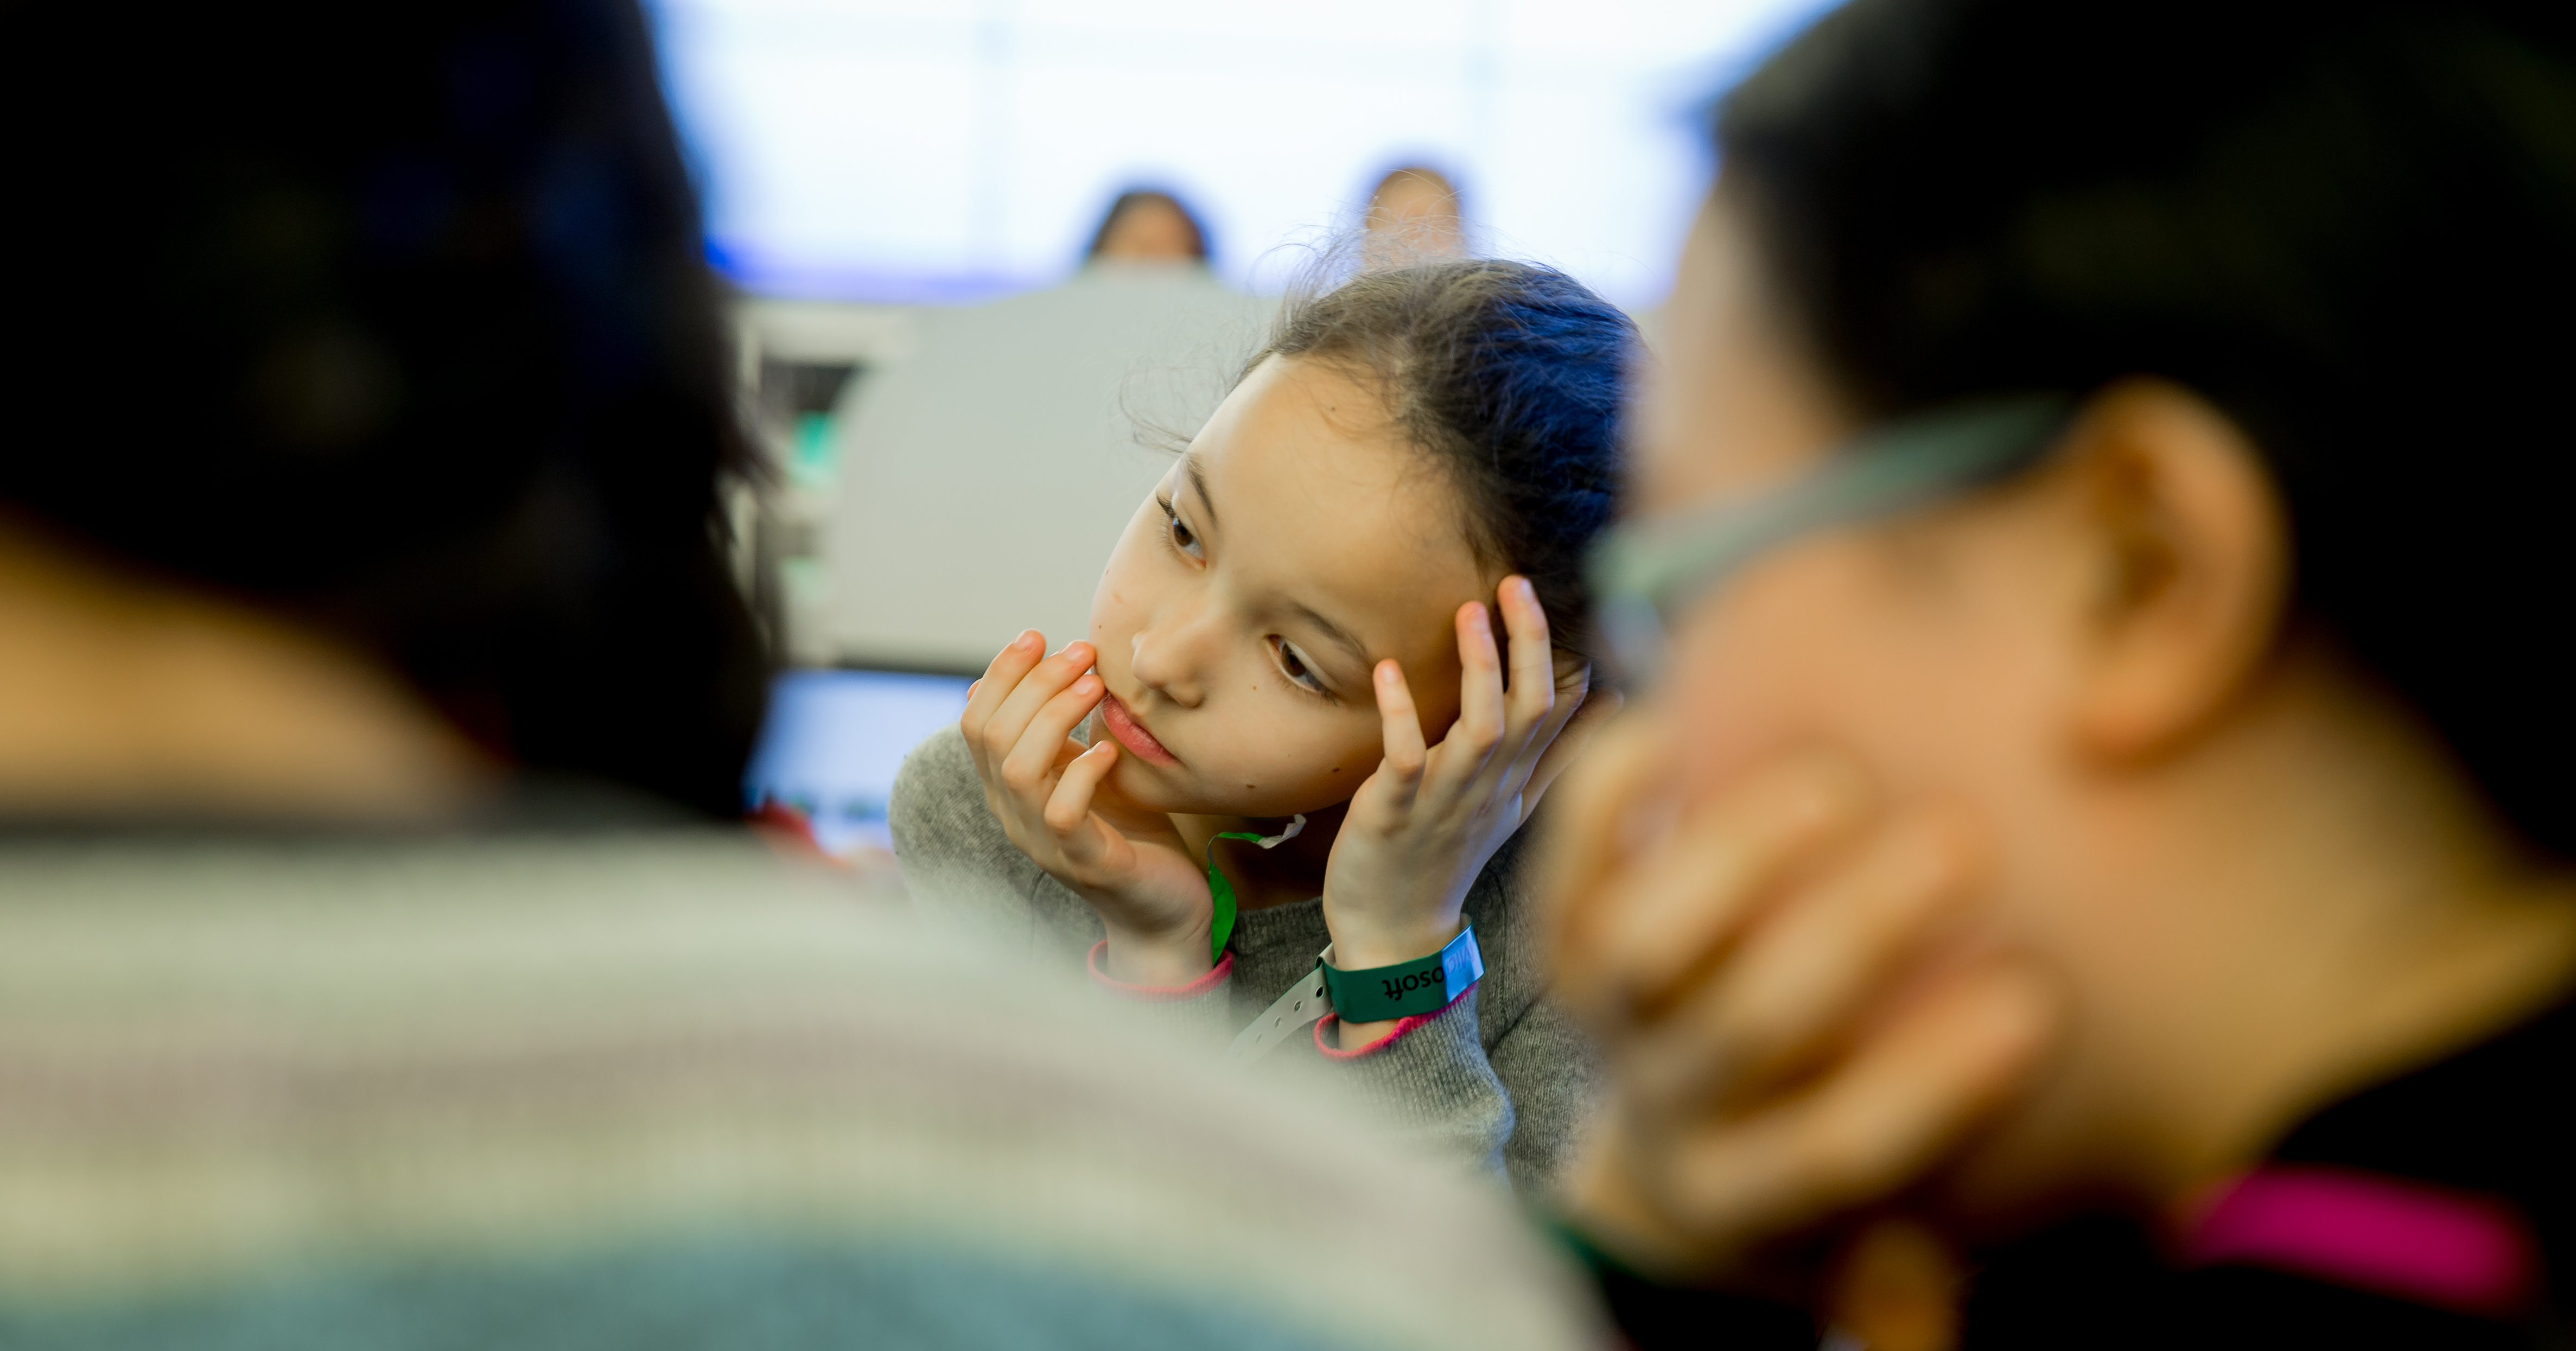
x=2090 y=865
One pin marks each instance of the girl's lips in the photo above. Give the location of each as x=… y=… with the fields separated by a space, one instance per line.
x=1132 y=734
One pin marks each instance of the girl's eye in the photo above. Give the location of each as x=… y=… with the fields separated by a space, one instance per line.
x=1179 y=532
x=1299 y=672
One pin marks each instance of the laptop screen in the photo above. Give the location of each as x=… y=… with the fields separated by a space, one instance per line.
x=834 y=740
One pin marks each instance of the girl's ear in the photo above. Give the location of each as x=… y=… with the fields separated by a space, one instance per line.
x=2185 y=548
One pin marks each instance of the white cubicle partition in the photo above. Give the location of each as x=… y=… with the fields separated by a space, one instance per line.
x=981 y=481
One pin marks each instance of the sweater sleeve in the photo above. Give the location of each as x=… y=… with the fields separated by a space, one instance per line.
x=1200 y=1011
x=962 y=870
x=1437 y=1084
x=1504 y=1077
x=966 y=875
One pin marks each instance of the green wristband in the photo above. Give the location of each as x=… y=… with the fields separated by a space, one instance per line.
x=1221 y=896
x=1423 y=985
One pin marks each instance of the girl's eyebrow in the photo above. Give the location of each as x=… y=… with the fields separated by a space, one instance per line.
x=1339 y=635
x=1198 y=484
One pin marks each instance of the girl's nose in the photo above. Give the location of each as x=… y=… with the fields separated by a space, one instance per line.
x=1168 y=658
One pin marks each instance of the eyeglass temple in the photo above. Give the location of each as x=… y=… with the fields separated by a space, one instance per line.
x=1645 y=570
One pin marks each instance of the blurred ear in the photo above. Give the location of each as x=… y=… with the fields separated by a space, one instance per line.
x=2188 y=567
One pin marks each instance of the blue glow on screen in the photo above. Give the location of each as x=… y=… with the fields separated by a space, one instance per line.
x=945 y=150
x=834 y=740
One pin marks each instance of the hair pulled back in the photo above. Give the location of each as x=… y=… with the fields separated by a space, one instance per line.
x=1511 y=378
x=2351 y=225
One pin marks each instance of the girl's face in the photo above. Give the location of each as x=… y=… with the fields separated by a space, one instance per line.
x=1297 y=543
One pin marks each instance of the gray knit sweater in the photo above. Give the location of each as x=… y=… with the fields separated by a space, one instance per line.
x=1504 y=1079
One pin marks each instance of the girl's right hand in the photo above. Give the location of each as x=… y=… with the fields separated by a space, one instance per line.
x=1045 y=788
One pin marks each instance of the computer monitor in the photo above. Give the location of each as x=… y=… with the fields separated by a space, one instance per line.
x=833 y=742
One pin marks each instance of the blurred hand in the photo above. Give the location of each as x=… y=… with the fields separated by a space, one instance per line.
x=1423 y=825
x=1792 y=1041
x=1045 y=788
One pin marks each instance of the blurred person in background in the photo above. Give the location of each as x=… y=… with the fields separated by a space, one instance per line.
x=379 y=964
x=1415 y=212
x=1300 y=732
x=1147 y=225
x=2094 y=869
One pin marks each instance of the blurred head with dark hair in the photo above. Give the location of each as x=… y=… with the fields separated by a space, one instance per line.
x=392 y=321
x=1149 y=225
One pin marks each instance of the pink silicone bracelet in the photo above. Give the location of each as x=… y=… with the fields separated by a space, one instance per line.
x=1160 y=993
x=1402 y=1026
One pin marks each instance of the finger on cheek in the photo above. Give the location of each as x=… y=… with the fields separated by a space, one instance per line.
x=1820 y=962
x=1679 y=911
x=1027 y=701
x=1067 y=710
x=1001 y=674
x=1476 y=637
x=1533 y=659
x=1016 y=657
x=1044 y=740
x=1399 y=724
x=1071 y=803
x=1881 y=1120
x=1909 y=1096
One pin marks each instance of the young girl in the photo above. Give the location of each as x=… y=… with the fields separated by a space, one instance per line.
x=1302 y=727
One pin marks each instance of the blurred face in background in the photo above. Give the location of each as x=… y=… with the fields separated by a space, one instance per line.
x=1150 y=231
x=1297 y=543
x=1415 y=212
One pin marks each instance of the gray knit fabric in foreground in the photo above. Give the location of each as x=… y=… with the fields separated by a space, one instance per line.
x=1503 y=1079
x=654 y=1089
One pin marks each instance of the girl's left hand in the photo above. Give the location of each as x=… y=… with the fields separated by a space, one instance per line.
x=1421 y=828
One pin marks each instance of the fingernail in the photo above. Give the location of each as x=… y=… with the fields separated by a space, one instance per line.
x=1027 y=639
x=1087 y=685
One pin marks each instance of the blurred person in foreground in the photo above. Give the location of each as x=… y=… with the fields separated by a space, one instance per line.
x=1414 y=214
x=377 y=964
x=1147 y=225
x=2094 y=867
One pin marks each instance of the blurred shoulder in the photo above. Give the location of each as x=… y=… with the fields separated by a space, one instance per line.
x=484 y=1090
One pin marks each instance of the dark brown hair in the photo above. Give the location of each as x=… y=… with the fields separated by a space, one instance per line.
x=2349 y=223
x=1136 y=197
x=431 y=357
x=1512 y=378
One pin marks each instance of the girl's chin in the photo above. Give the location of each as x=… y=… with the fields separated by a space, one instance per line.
x=1160 y=789
x=1146 y=786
